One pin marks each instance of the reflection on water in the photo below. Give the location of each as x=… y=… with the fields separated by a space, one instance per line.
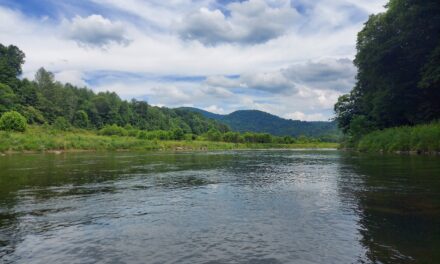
x=219 y=207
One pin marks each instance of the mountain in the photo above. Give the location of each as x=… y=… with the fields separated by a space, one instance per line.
x=259 y=121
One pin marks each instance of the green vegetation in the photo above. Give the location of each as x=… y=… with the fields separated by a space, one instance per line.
x=420 y=139
x=12 y=121
x=65 y=117
x=48 y=138
x=45 y=101
x=262 y=122
x=398 y=80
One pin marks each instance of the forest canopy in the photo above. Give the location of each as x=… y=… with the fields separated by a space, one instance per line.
x=398 y=61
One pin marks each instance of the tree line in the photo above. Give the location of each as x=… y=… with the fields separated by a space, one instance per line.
x=46 y=101
x=398 y=79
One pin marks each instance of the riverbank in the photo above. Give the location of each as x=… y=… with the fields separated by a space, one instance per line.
x=38 y=139
x=420 y=139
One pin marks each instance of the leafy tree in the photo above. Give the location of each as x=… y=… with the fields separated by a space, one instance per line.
x=13 y=121
x=11 y=59
x=214 y=135
x=81 y=119
x=7 y=98
x=33 y=116
x=398 y=55
x=178 y=134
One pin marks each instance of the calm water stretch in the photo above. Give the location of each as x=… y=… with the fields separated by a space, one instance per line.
x=220 y=207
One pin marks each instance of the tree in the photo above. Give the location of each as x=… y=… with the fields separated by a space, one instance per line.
x=7 y=98
x=11 y=59
x=398 y=58
x=13 y=121
x=81 y=119
x=178 y=134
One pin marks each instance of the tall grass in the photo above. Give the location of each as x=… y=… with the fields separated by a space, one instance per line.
x=40 y=138
x=420 y=138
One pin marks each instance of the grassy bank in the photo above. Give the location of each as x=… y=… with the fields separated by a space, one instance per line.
x=40 y=139
x=420 y=139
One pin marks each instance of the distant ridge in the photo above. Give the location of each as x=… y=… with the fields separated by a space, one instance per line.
x=259 y=121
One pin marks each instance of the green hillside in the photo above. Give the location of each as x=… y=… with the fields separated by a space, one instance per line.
x=262 y=122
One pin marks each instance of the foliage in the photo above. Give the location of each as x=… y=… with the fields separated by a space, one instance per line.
x=43 y=138
x=7 y=98
x=398 y=61
x=81 y=119
x=61 y=124
x=11 y=59
x=113 y=130
x=262 y=122
x=420 y=138
x=13 y=121
x=46 y=100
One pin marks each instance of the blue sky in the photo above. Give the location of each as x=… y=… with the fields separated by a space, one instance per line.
x=292 y=58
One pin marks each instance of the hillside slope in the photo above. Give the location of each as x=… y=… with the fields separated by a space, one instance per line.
x=259 y=121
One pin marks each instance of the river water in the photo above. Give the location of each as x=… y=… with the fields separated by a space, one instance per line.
x=277 y=206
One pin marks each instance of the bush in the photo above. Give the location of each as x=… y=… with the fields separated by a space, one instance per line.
x=13 y=121
x=214 y=135
x=113 y=130
x=178 y=134
x=61 y=124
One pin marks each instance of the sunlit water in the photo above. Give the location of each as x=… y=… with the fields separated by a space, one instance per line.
x=219 y=207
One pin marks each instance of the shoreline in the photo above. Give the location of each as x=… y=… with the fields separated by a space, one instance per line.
x=170 y=150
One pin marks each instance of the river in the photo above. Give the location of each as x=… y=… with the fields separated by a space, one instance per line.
x=265 y=206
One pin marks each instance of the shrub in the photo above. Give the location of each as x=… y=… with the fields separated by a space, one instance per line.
x=233 y=137
x=113 y=130
x=13 y=121
x=61 y=124
x=178 y=134
x=214 y=135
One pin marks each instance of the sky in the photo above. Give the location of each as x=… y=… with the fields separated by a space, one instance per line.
x=291 y=58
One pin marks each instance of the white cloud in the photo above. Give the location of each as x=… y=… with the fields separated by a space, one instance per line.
x=215 y=109
x=249 y=22
x=301 y=63
x=305 y=117
x=70 y=76
x=95 y=31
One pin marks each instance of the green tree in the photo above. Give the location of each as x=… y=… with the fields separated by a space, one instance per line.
x=7 y=98
x=81 y=119
x=398 y=54
x=11 y=59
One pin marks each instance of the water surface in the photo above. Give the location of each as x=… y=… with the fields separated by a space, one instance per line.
x=279 y=206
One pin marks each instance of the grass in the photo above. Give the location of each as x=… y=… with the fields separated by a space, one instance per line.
x=41 y=139
x=420 y=138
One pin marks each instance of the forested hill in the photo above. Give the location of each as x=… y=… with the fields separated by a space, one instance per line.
x=46 y=101
x=258 y=121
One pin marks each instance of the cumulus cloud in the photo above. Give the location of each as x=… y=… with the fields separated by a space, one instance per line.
x=333 y=74
x=291 y=58
x=71 y=76
x=95 y=31
x=327 y=74
x=248 y=22
x=305 y=117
